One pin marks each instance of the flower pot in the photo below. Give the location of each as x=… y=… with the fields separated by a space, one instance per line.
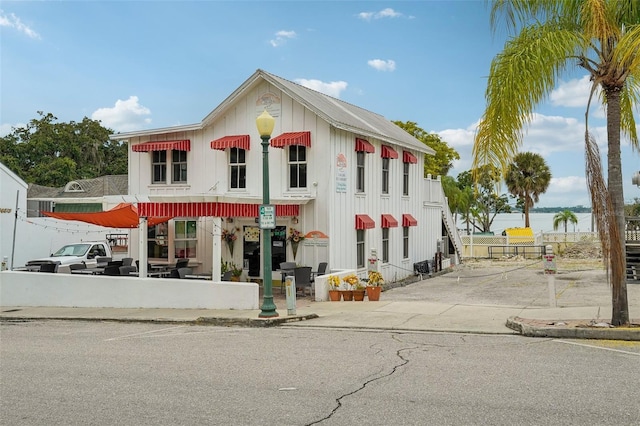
x=358 y=295
x=347 y=295
x=373 y=293
x=334 y=295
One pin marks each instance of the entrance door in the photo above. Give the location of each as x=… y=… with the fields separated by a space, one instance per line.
x=251 y=250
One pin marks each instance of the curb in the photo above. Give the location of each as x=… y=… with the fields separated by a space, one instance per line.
x=252 y=322
x=559 y=329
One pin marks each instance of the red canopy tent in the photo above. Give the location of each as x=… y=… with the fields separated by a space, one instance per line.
x=124 y=215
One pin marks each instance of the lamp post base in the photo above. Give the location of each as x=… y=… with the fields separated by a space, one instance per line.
x=268 y=308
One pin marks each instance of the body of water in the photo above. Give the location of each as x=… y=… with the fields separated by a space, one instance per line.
x=540 y=222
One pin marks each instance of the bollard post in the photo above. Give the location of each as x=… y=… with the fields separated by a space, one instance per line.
x=290 y=285
x=550 y=269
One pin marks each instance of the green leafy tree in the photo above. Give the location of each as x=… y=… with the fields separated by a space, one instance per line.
x=564 y=217
x=549 y=38
x=49 y=153
x=528 y=177
x=485 y=203
x=440 y=163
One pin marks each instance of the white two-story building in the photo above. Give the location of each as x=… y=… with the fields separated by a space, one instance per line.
x=348 y=179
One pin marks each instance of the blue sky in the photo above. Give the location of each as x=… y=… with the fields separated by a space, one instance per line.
x=148 y=64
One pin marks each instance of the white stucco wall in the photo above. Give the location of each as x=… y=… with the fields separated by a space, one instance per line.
x=67 y=290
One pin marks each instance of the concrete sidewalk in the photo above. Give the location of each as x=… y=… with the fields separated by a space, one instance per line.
x=492 y=298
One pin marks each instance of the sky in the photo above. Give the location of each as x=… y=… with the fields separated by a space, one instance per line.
x=138 y=65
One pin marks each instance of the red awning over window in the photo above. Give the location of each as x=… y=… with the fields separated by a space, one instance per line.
x=237 y=141
x=388 y=152
x=364 y=146
x=408 y=157
x=184 y=145
x=388 y=221
x=293 y=138
x=408 y=220
x=363 y=221
x=213 y=209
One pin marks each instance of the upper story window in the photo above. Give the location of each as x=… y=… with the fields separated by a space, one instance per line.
x=159 y=165
x=407 y=159
x=360 y=172
x=297 y=166
x=237 y=168
x=73 y=186
x=385 y=175
x=160 y=159
x=362 y=147
x=405 y=178
x=387 y=153
x=179 y=163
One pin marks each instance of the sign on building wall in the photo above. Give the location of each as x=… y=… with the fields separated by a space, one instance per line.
x=269 y=101
x=341 y=173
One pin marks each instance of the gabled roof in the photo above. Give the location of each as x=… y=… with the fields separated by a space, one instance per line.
x=339 y=114
x=83 y=188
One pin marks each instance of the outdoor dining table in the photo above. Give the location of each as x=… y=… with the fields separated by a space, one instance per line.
x=88 y=271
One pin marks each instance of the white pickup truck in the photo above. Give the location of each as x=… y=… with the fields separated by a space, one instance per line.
x=85 y=252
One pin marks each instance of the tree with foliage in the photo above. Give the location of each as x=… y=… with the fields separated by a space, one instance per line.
x=485 y=203
x=528 y=177
x=549 y=38
x=565 y=217
x=442 y=161
x=49 y=153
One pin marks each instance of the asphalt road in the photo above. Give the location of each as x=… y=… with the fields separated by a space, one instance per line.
x=80 y=373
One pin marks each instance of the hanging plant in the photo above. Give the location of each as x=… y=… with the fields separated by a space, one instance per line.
x=229 y=236
x=294 y=238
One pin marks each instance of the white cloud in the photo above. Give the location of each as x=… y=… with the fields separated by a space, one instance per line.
x=6 y=128
x=124 y=116
x=281 y=37
x=382 y=65
x=12 y=21
x=384 y=13
x=575 y=94
x=333 y=88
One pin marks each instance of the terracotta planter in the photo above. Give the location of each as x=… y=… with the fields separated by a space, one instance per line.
x=347 y=295
x=358 y=295
x=334 y=295
x=373 y=293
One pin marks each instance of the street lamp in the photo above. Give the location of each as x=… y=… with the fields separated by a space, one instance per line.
x=265 y=123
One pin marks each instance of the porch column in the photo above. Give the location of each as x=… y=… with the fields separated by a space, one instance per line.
x=142 y=247
x=216 y=251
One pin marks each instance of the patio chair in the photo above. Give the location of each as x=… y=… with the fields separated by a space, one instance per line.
x=227 y=276
x=127 y=261
x=302 y=275
x=111 y=270
x=102 y=261
x=286 y=268
x=184 y=271
x=322 y=269
x=125 y=269
x=75 y=266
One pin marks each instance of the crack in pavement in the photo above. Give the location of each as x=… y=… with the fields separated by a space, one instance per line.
x=390 y=373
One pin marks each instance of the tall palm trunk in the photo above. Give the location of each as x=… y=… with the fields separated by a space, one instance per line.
x=620 y=304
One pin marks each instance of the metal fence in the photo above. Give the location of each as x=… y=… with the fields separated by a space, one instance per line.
x=491 y=246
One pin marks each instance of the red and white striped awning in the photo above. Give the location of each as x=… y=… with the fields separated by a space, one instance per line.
x=388 y=221
x=363 y=145
x=363 y=221
x=293 y=138
x=183 y=145
x=213 y=209
x=408 y=220
x=237 y=141
x=408 y=157
x=388 y=152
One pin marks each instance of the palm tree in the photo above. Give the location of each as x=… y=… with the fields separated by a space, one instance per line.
x=528 y=177
x=565 y=217
x=550 y=37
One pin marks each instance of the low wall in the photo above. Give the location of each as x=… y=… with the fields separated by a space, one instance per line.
x=320 y=282
x=89 y=291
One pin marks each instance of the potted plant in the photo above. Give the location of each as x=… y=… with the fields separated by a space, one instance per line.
x=351 y=281
x=358 y=292
x=236 y=271
x=374 y=285
x=333 y=281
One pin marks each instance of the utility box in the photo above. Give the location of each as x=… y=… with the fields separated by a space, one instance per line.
x=290 y=286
